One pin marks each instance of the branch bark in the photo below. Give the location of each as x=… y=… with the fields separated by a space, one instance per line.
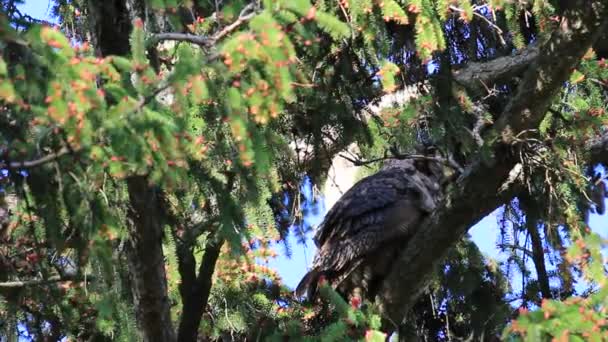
x=581 y=23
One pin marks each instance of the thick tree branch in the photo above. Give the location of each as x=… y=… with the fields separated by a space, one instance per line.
x=580 y=25
x=181 y=37
x=415 y=265
x=479 y=77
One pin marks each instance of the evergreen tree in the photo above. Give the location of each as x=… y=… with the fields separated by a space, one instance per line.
x=152 y=154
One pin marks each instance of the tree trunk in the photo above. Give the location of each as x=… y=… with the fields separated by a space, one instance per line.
x=111 y=28
x=147 y=262
x=196 y=294
x=538 y=255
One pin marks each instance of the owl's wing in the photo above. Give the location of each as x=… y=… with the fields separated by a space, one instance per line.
x=376 y=209
x=360 y=205
x=338 y=257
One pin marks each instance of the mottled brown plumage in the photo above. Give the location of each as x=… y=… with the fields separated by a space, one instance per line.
x=361 y=234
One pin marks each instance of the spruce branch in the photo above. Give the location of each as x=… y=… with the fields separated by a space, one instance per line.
x=28 y=164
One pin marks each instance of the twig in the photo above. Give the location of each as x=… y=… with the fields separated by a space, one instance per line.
x=348 y=19
x=246 y=14
x=180 y=37
x=447 y=323
x=35 y=282
x=27 y=164
x=144 y=100
x=303 y=85
x=359 y=162
x=483 y=17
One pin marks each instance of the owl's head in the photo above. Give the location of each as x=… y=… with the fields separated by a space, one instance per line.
x=435 y=166
x=404 y=164
x=428 y=160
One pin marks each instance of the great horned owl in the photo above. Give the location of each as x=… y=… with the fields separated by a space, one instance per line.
x=362 y=233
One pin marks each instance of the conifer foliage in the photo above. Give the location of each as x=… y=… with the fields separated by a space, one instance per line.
x=152 y=154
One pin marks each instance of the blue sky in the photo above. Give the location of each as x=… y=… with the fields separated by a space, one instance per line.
x=39 y=9
x=484 y=233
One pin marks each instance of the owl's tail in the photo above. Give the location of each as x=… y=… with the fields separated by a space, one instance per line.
x=308 y=284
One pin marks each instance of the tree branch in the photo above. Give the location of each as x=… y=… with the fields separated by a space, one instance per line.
x=195 y=290
x=581 y=24
x=28 y=164
x=37 y=282
x=360 y=162
x=504 y=246
x=180 y=37
x=195 y=301
x=538 y=254
x=478 y=77
x=246 y=14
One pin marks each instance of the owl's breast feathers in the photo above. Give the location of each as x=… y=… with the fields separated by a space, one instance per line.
x=376 y=212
